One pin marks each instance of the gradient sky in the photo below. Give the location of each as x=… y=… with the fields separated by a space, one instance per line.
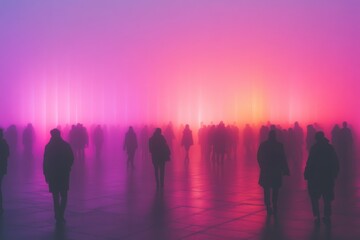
x=187 y=61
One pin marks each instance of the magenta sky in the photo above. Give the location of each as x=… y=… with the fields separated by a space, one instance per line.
x=181 y=60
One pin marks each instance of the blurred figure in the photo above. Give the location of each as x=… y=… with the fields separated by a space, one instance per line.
x=310 y=137
x=98 y=138
x=160 y=153
x=58 y=160
x=144 y=138
x=298 y=144
x=11 y=136
x=28 y=139
x=4 y=155
x=187 y=141
x=220 y=143
x=273 y=165
x=345 y=145
x=335 y=137
x=321 y=170
x=130 y=146
x=169 y=136
x=248 y=142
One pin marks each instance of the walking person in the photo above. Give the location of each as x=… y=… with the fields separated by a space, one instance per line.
x=160 y=153
x=58 y=160
x=4 y=155
x=273 y=165
x=322 y=168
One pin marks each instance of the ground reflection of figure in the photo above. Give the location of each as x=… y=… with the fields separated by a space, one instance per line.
x=160 y=153
x=130 y=146
x=58 y=159
x=187 y=141
x=28 y=140
x=273 y=165
x=4 y=155
x=321 y=170
x=98 y=139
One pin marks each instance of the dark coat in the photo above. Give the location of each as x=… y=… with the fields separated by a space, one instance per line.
x=187 y=138
x=130 y=143
x=322 y=168
x=160 y=151
x=273 y=165
x=4 y=155
x=58 y=159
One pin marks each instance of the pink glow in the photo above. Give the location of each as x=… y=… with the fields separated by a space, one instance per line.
x=185 y=61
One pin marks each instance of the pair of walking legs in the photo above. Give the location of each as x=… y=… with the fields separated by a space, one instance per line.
x=60 y=201
x=271 y=206
x=316 y=209
x=159 y=173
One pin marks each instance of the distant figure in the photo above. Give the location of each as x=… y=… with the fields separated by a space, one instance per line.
x=58 y=159
x=11 y=136
x=220 y=143
x=160 y=153
x=321 y=170
x=98 y=138
x=169 y=136
x=248 y=141
x=130 y=146
x=310 y=137
x=144 y=138
x=346 y=142
x=4 y=155
x=298 y=144
x=28 y=139
x=187 y=141
x=273 y=165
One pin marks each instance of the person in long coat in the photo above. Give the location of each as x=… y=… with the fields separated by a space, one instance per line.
x=160 y=153
x=58 y=160
x=4 y=155
x=130 y=146
x=273 y=165
x=322 y=168
x=187 y=141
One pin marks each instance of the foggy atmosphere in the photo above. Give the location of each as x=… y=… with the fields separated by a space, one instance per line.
x=179 y=119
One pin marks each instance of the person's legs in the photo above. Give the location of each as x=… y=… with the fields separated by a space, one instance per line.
x=63 y=204
x=327 y=210
x=162 y=173
x=1 y=197
x=56 y=200
x=275 y=194
x=156 y=168
x=267 y=200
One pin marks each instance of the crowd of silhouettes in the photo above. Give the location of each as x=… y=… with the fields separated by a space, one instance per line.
x=79 y=140
x=280 y=152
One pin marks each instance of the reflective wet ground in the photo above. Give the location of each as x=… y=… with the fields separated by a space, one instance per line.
x=201 y=200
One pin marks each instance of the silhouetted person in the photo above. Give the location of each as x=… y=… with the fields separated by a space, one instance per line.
x=220 y=143
x=169 y=136
x=187 y=141
x=322 y=168
x=160 y=153
x=144 y=138
x=130 y=146
x=28 y=139
x=98 y=139
x=345 y=145
x=58 y=159
x=273 y=165
x=4 y=155
x=11 y=136
x=298 y=144
x=248 y=141
x=310 y=137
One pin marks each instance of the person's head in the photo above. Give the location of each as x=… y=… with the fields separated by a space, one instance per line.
x=157 y=131
x=344 y=124
x=131 y=129
x=319 y=136
x=272 y=135
x=55 y=133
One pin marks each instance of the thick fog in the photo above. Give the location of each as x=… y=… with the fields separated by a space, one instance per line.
x=137 y=62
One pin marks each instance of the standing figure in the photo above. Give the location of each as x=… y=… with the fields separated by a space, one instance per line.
x=58 y=159
x=322 y=168
x=273 y=165
x=4 y=155
x=28 y=139
x=160 y=153
x=98 y=138
x=130 y=146
x=187 y=141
